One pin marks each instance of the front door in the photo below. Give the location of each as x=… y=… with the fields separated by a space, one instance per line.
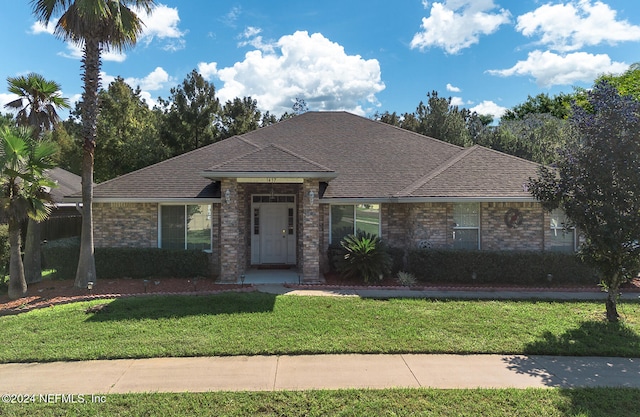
x=273 y=230
x=273 y=233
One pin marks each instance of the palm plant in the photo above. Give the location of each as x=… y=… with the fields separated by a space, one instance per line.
x=95 y=25
x=37 y=106
x=23 y=191
x=363 y=256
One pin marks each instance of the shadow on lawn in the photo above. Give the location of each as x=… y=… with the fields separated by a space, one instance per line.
x=582 y=368
x=161 y=307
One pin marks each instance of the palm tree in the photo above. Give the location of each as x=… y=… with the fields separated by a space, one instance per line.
x=42 y=99
x=95 y=25
x=37 y=106
x=23 y=191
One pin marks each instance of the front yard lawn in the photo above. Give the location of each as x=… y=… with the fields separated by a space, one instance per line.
x=601 y=402
x=258 y=324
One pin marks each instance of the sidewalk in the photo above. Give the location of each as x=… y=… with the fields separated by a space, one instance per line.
x=269 y=373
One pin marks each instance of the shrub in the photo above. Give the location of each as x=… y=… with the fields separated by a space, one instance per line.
x=502 y=267
x=62 y=255
x=364 y=257
x=406 y=278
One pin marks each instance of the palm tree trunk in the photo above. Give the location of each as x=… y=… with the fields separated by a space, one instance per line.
x=17 y=283
x=91 y=61
x=32 y=253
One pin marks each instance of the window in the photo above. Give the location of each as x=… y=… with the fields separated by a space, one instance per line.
x=350 y=219
x=563 y=238
x=185 y=227
x=466 y=226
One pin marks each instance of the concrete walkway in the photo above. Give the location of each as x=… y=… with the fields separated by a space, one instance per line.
x=475 y=294
x=269 y=373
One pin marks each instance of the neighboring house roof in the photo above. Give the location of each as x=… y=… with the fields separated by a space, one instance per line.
x=358 y=157
x=68 y=183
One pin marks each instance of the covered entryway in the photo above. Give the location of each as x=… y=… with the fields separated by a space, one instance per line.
x=273 y=240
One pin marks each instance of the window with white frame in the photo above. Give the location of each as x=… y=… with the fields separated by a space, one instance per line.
x=347 y=219
x=563 y=235
x=185 y=226
x=466 y=226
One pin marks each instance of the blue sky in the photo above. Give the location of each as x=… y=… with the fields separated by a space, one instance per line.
x=353 y=55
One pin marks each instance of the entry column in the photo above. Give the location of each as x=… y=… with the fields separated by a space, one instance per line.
x=310 y=231
x=230 y=240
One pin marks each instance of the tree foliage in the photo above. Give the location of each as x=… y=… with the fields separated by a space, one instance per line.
x=189 y=115
x=596 y=184
x=558 y=106
x=239 y=116
x=23 y=192
x=127 y=132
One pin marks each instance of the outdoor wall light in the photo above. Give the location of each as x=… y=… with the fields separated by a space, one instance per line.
x=312 y=196
x=227 y=196
x=90 y=285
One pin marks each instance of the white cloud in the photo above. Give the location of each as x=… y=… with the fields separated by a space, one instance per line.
x=457 y=101
x=231 y=17
x=302 y=65
x=208 y=70
x=162 y=23
x=574 y=25
x=489 y=107
x=38 y=28
x=457 y=24
x=453 y=89
x=154 y=81
x=250 y=38
x=4 y=99
x=548 y=68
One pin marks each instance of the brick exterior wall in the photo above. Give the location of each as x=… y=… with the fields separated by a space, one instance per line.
x=409 y=224
x=310 y=232
x=125 y=225
x=496 y=235
x=231 y=241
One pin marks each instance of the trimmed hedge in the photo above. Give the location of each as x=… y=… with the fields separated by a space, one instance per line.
x=499 y=267
x=62 y=255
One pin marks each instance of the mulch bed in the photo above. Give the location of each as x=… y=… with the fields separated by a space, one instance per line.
x=51 y=292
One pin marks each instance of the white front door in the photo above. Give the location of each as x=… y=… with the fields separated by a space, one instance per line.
x=273 y=233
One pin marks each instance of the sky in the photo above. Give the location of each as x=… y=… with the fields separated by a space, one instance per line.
x=354 y=55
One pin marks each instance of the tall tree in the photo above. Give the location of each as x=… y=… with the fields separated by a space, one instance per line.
x=190 y=114
x=537 y=137
x=558 y=106
x=627 y=83
x=96 y=25
x=23 y=191
x=597 y=183
x=239 y=116
x=37 y=107
x=127 y=131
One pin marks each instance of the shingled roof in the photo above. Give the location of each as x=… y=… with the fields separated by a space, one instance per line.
x=358 y=157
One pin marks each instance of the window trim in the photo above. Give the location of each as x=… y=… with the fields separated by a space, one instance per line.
x=355 y=220
x=477 y=228
x=559 y=227
x=186 y=228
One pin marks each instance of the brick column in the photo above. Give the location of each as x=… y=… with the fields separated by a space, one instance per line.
x=230 y=239
x=310 y=232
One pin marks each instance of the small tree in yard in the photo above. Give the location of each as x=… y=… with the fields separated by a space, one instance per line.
x=597 y=184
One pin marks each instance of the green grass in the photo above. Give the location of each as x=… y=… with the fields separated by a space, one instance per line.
x=393 y=402
x=255 y=323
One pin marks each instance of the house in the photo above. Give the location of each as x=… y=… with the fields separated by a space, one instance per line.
x=282 y=194
x=65 y=220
